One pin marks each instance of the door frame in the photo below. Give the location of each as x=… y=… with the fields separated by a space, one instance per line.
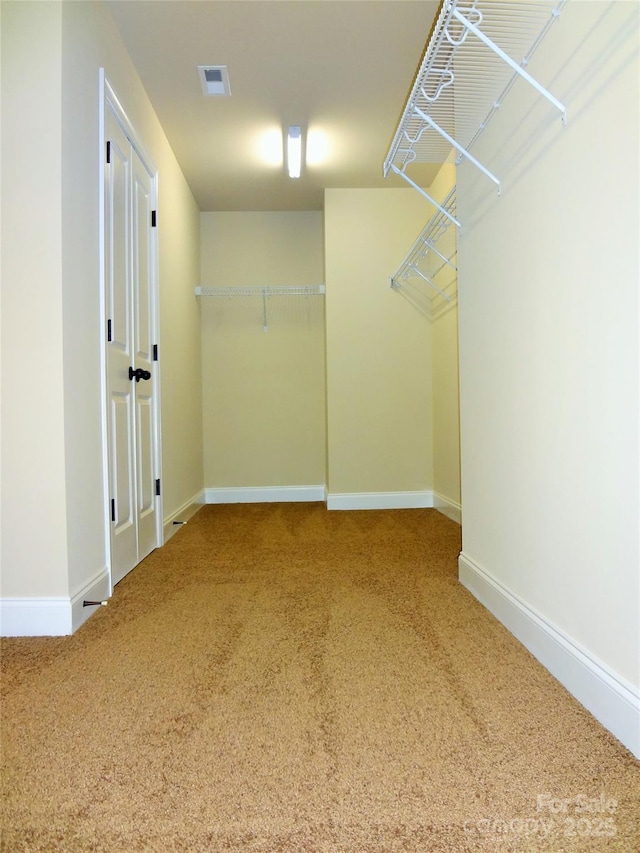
x=108 y=100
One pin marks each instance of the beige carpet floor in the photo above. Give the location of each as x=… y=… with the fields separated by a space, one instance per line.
x=283 y=678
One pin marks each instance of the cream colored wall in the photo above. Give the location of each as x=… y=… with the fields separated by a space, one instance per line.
x=549 y=339
x=33 y=512
x=263 y=392
x=446 y=408
x=379 y=418
x=445 y=400
x=182 y=437
x=52 y=439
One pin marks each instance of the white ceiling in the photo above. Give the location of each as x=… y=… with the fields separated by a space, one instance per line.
x=341 y=69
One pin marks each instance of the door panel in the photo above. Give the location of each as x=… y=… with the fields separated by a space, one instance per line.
x=147 y=499
x=121 y=424
x=145 y=469
x=129 y=297
x=124 y=552
x=124 y=537
x=143 y=271
x=143 y=266
x=118 y=240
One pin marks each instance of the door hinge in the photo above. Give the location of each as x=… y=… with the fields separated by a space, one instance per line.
x=108 y=330
x=155 y=352
x=108 y=151
x=157 y=487
x=153 y=218
x=113 y=509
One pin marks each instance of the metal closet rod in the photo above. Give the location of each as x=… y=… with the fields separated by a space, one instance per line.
x=266 y=290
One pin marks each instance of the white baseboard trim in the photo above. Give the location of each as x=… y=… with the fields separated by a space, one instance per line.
x=380 y=500
x=611 y=699
x=264 y=494
x=53 y=616
x=447 y=507
x=97 y=589
x=181 y=516
x=35 y=617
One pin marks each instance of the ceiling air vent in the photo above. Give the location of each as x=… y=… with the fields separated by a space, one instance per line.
x=214 y=80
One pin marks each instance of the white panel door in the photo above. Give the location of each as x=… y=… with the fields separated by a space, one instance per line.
x=142 y=206
x=130 y=365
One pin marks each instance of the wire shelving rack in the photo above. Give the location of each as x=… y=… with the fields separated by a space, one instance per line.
x=428 y=274
x=265 y=292
x=476 y=52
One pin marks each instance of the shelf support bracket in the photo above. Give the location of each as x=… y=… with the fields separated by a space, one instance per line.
x=432 y=248
x=429 y=282
x=442 y=209
x=265 y=323
x=459 y=148
x=511 y=63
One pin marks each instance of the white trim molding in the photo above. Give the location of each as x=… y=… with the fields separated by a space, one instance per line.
x=264 y=494
x=611 y=699
x=380 y=500
x=447 y=507
x=52 y=616
x=35 y=617
x=182 y=515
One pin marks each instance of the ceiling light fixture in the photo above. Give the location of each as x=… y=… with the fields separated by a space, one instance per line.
x=294 y=151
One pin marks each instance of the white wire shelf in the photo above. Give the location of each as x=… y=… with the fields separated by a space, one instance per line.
x=476 y=52
x=266 y=291
x=428 y=275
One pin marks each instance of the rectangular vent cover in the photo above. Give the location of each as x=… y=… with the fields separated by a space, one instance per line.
x=214 y=80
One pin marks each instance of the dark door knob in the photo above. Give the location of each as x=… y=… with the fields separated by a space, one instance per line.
x=139 y=374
